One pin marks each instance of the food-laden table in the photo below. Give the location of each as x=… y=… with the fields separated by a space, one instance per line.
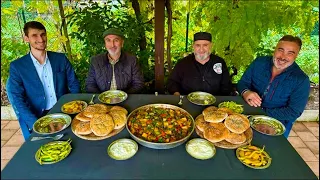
x=89 y=159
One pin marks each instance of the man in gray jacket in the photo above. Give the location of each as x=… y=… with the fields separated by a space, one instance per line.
x=114 y=69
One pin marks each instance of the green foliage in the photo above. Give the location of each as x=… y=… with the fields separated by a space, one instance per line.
x=242 y=30
x=12 y=44
x=105 y=16
x=239 y=27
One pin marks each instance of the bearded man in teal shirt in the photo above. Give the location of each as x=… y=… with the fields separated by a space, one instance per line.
x=277 y=84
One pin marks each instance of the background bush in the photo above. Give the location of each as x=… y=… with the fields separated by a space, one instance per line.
x=241 y=30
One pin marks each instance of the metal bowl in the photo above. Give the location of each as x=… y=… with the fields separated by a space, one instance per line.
x=52 y=143
x=154 y=145
x=200 y=142
x=113 y=97
x=83 y=104
x=121 y=143
x=267 y=156
x=269 y=121
x=201 y=98
x=52 y=117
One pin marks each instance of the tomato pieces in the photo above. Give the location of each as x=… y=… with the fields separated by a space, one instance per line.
x=163 y=115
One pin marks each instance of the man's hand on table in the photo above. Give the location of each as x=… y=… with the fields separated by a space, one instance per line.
x=252 y=98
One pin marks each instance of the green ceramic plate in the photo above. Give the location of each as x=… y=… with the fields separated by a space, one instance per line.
x=268 y=158
x=122 y=149
x=201 y=98
x=200 y=148
x=267 y=125
x=113 y=97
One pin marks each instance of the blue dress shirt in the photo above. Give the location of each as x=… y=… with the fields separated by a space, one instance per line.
x=45 y=74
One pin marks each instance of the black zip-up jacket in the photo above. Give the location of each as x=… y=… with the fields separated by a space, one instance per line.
x=189 y=76
x=129 y=77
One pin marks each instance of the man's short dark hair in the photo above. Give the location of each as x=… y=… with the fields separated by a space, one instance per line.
x=33 y=25
x=291 y=38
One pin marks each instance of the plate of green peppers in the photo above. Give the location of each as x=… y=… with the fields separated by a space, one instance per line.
x=53 y=152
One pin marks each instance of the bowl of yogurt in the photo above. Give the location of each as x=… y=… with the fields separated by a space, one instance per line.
x=122 y=149
x=200 y=148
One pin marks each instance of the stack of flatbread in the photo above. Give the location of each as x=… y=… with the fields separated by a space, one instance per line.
x=100 y=120
x=219 y=124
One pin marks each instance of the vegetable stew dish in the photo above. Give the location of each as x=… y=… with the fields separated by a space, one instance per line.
x=160 y=125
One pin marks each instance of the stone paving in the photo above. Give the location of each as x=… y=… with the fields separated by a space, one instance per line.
x=304 y=137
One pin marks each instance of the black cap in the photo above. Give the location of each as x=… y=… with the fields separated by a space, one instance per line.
x=202 y=36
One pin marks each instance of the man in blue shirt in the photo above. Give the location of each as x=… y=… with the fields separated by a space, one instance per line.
x=277 y=84
x=37 y=80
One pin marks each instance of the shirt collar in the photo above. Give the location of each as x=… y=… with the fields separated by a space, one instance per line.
x=35 y=61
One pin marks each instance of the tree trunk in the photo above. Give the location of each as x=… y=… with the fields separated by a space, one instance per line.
x=65 y=29
x=159 y=45
x=169 y=11
x=142 y=40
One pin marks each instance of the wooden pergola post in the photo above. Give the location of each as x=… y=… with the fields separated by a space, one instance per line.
x=159 y=45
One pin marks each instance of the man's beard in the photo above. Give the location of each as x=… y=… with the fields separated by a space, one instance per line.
x=283 y=65
x=202 y=57
x=113 y=53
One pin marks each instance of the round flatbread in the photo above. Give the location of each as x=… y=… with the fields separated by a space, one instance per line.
x=101 y=124
x=227 y=110
x=119 y=118
x=215 y=132
x=120 y=109
x=201 y=123
x=236 y=138
x=209 y=109
x=82 y=117
x=215 y=116
x=102 y=107
x=94 y=109
x=83 y=128
x=237 y=124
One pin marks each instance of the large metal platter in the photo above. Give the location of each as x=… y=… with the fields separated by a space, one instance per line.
x=93 y=137
x=201 y=98
x=154 y=145
x=113 y=97
x=51 y=118
x=267 y=121
x=52 y=143
x=225 y=144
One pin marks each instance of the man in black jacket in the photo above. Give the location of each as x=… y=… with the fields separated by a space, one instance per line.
x=200 y=71
x=114 y=69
